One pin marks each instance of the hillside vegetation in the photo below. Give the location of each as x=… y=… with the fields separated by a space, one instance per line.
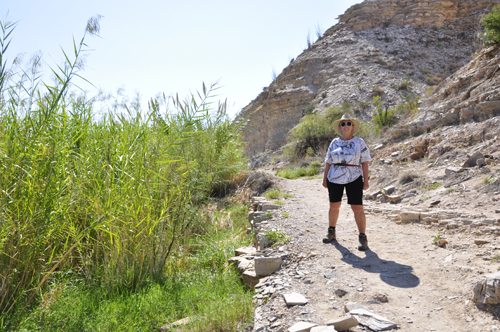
x=105 y=216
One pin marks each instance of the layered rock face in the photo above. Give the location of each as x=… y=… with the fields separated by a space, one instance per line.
x=360 y=58
x=457 y=14
x=472 y=94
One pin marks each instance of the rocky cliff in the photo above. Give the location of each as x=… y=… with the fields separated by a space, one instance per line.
x=375 y=48
x=457 y=14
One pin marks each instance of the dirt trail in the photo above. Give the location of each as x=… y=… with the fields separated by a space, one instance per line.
x=428 y=288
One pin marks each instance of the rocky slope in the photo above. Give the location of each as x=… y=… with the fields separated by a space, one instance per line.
x=395 y=49
x=469 y=95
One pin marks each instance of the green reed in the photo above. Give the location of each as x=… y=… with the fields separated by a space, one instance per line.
x=106 y=198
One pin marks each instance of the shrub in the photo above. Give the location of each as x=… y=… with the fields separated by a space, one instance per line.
x=314 y=131
x=431 y=186
x=405 y=84
x=490 y=180
x=409 y=105
x=377 y=91
x=407 y=177
x=491 y=23
x=277 y=236
x=315 y=164
x=276 y=193
x=382 y=117
x=309 y=109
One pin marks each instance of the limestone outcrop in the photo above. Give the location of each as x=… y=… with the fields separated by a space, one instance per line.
x=392 y=48
x=469 y=95
x=458 y=14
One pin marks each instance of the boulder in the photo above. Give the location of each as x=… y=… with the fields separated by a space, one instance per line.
x=382 y=198
x=480 y=162
x=409 y=216
x=394 y=198
x=250 y=278
x=241 y=263
x=261 y=240
x=416 y=155
x=265 y=266
x=389 y=190
x=487 y=290
x=472 y=161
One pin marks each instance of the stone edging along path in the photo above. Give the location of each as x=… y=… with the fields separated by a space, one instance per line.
x=404 y=281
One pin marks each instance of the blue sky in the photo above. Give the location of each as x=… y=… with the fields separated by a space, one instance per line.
x=172 y=47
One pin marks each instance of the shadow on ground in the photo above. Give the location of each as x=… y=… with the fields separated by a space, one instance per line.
x=392 y=273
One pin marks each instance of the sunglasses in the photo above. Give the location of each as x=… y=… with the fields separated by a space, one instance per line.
x=348 y=124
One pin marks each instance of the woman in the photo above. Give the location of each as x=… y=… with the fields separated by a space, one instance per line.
x=347 y=167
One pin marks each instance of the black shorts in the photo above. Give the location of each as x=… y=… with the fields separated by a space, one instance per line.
x=354 y=191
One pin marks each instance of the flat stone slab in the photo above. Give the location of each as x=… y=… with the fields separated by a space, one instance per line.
x=344 y=323
x=294 y=299
x=332 y=275
x=373 y=321
x=270 y=206
x=352 y=306
x=302 y=327
x=248 y=250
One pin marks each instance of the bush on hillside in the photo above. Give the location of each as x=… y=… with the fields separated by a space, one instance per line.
x=383 y=116
x=314 y=132
x=491 y=22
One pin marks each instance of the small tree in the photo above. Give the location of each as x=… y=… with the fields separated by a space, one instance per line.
x=491 y=22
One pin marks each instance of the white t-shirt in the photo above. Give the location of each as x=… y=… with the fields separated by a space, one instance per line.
x=351 y=152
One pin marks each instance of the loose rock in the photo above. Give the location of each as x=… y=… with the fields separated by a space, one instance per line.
x=373 y=321
x=487 y=291
x=302 y=327
x=343 y=324
x=294 y=299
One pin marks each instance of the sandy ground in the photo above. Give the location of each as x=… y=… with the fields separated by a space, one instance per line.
x=428 y=288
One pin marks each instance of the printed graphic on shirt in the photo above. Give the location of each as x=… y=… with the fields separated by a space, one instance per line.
x=350 y=152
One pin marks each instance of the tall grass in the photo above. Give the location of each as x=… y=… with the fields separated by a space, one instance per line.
x=104 y=198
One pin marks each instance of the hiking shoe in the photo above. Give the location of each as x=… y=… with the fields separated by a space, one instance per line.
x=330 y=236
x=363 y=241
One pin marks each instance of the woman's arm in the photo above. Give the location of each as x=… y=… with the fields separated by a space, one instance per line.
x=327 y=168
x=364 y=166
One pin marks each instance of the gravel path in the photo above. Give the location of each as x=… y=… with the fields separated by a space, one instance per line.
x=403 y=277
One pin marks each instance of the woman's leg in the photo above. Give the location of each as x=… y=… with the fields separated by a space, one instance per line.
x=333 y=214
x=355 y=199
x=359 y=217
x=335 y=192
